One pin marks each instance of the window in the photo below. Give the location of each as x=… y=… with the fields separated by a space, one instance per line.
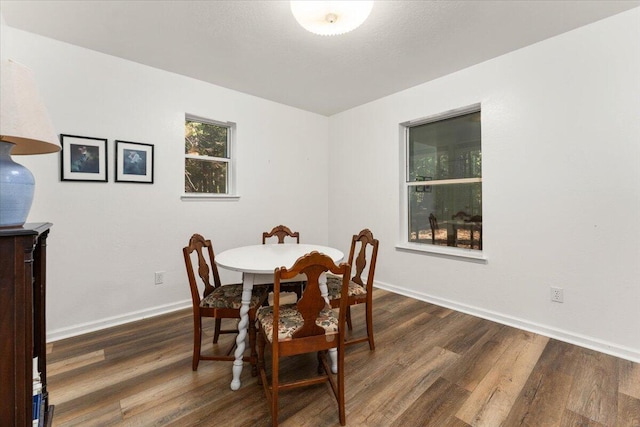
x=442 y=180
x=208 y=163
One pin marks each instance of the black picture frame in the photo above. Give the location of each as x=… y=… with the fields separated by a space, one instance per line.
x=134 y=162
x=83 y=158
x=423 y=188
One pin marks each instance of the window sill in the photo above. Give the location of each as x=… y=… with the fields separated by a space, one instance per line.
x=209 y=197
x=444 y=251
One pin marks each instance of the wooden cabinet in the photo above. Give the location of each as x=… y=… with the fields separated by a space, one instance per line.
x=23 y=258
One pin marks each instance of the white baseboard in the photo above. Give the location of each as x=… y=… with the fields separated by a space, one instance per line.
x=72 y=331
x=551 y=332
x=548 y=331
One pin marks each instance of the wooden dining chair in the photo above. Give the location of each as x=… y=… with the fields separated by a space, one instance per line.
x=433 y=224
x=282 y=232
x=217 y=301
x=308 y=326
x=359 y=292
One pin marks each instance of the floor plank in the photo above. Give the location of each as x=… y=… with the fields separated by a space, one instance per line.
x=490 y=402
x=432 y=367
x=594 y=389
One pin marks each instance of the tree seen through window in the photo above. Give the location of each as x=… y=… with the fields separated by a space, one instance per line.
x=206 y=157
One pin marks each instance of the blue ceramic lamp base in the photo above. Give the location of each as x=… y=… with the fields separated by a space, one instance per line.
x=16 y=189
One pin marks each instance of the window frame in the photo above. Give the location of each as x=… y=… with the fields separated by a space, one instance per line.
x=405 y=184
x=232 y=193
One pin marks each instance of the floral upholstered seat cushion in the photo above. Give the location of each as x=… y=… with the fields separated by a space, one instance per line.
x=230 y=296
x=334 y=286
x=291 y=320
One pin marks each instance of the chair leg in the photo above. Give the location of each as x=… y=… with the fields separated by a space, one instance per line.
x=341 y=403
x=252 y=344
x=197 y=340
x=275 y=384
x=261 y=372
x=349 y=325
x=216 y=334
x=369 y=315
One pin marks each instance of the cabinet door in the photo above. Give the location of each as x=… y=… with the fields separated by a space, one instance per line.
x=16 y=328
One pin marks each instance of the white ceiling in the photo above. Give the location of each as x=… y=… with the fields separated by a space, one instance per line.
x=257 y=47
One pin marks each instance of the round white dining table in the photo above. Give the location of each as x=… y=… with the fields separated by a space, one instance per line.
x=258 y=263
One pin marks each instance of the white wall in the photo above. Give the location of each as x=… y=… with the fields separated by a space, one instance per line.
x=108 y=239
x=561 y=186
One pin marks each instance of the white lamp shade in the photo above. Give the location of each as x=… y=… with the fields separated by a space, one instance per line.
x=24 y=120
x=331 y=17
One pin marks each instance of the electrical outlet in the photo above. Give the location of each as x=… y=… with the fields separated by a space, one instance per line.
x=159 y=277
x=557 y=294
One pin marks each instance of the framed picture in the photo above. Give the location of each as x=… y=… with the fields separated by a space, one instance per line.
x=134 y=162
x=423 y=188
x=83 y=158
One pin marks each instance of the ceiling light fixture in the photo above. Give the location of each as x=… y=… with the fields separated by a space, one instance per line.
x=328 y=18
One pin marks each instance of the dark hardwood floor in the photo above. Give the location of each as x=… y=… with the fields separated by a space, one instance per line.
x=432 y=367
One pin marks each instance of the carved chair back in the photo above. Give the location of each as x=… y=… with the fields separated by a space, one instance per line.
x=280 y=231
x=206 y=264
x=362 y=243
